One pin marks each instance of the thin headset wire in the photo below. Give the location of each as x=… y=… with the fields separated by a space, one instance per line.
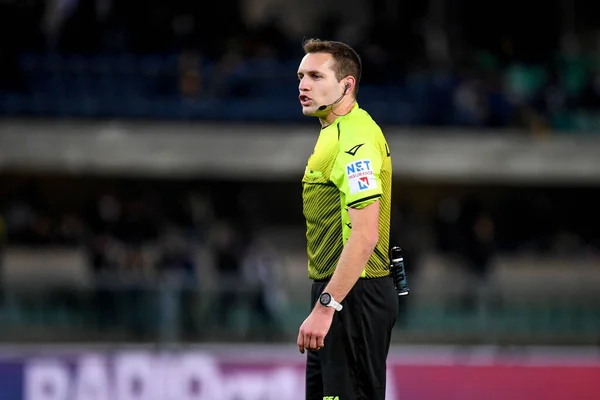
x=333 y=105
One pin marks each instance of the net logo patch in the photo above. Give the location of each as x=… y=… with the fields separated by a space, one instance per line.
x=360 y=176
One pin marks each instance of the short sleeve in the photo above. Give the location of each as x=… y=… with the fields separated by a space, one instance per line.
x=356 y=172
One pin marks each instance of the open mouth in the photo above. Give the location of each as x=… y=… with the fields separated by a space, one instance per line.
x=304 y=100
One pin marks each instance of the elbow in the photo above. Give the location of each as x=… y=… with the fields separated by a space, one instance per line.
x=372 y=241
x=368 y=240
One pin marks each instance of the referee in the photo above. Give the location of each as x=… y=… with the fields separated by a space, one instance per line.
x=346 y=191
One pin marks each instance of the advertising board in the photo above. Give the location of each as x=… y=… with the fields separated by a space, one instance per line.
x=275 y=373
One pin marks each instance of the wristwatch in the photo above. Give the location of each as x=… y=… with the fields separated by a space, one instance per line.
x=326 y=299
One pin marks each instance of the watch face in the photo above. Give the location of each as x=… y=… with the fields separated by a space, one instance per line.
x=325 y=298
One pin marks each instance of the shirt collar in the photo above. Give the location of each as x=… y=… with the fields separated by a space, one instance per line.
x=339 y=119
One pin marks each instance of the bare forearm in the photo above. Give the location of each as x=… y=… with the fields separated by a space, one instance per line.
x=354 y=258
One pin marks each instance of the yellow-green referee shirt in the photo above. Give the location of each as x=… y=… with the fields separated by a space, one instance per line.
x=350 y=167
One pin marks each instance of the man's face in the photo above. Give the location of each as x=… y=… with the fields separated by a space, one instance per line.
x=318 y=84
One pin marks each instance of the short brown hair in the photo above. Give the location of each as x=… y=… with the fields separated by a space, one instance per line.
x=347 y=61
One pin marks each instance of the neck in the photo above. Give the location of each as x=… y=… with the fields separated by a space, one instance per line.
x=338 y=110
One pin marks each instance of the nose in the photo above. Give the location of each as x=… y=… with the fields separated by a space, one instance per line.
x=303 y=85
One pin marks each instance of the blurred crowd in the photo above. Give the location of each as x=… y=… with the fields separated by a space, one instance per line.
x=137 y=237
x=525 y=220
x=140 y=235
x=115 y=222
x=426 y=63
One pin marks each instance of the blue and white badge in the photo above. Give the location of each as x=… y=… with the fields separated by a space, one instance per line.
x=360 y=176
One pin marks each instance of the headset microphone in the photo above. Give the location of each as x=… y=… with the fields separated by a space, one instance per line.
x=323 y=107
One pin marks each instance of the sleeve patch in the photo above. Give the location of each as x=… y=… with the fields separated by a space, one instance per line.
x=360 y=176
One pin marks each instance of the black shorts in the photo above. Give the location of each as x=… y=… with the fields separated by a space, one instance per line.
x=352 y=364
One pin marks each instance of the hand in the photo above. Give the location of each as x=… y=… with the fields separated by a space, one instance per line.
x=314 y=329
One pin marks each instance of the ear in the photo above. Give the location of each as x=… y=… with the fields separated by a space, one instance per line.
x=350 y=84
